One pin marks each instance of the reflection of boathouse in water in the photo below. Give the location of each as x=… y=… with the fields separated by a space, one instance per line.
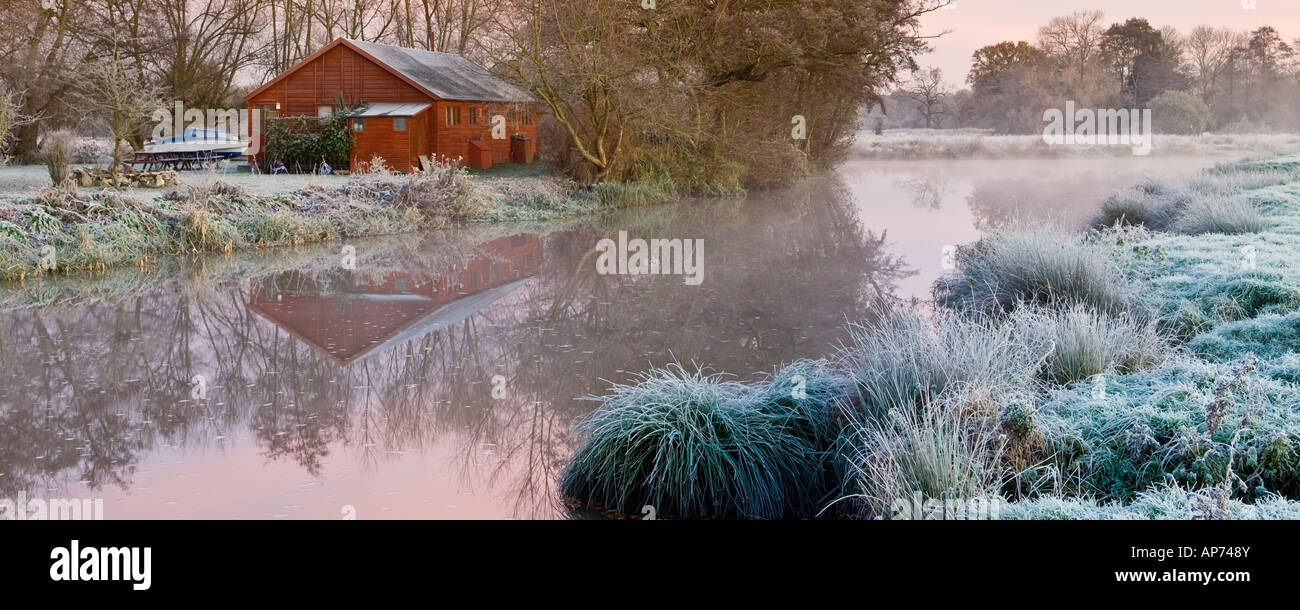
x=350 y=316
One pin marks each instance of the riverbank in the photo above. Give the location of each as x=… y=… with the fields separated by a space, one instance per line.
x=67 y=230
x=1143 y=368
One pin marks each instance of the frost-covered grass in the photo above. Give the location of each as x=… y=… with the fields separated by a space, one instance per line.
x=1171 y=502
x=1079 y=342
x=982 y=144
x=1146 y=371
x=903 y=361
x=940 y=450
x=1266 y=336
x=1214 y=203
x=59 y=230
x=1197 y=423
x=1006 y=269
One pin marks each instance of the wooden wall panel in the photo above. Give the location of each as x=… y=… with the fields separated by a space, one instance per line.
x=379 y=138
x=452 y=141
x=338 y=71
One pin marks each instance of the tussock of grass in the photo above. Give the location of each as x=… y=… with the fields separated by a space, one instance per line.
x=282 y=227
x=633 y=194
x=1142 y=205
x=903 y=361
x=937 y=452
x=1210 y=204
x=1249 y=295
x=1080 y=343
x=1004 y=270
x=203 y=230
x=1227 y=215
x=694 y=445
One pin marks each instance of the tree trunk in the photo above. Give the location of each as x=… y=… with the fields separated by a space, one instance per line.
x=25 y=143
x=117 y=158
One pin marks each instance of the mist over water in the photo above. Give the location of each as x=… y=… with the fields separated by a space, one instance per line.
x=441 y=376
x=924 y=205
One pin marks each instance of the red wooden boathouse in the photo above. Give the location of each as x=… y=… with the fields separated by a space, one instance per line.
x=417 y=103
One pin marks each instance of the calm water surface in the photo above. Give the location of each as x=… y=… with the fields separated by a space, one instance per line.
x=440 y=376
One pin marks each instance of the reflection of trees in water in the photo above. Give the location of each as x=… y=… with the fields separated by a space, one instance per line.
x=927 y=192
x=1036 y=200
x=89 y=391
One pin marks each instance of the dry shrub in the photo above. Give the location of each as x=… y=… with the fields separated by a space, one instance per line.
x=57 y=151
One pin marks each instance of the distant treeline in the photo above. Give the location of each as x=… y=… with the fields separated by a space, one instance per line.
x=1208 y=79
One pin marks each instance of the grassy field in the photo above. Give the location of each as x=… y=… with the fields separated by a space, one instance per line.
x=60 y=230
x=1146 y=368
x=981 y=144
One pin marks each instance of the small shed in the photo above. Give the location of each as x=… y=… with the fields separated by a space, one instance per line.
x=398 y=132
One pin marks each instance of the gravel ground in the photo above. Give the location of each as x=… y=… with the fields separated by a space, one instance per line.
x=23 y=181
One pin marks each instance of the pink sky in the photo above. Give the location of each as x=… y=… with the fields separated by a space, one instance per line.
x=975 y=23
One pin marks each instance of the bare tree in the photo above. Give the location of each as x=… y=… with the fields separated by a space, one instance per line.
x=1209 y=51
x=357 y=19
x=562 y=52
x=204 y=45
x=1074 y=39
x=114 y=97
x=454 y=25
x=40 y=57
x=928 y=90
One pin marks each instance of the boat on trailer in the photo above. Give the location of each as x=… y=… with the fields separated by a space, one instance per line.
x=219 y=144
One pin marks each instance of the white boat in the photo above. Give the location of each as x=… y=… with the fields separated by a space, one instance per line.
x=219 y=143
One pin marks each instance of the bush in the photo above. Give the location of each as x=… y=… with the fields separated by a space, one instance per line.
x=1005 y=269
x=39 y=220
x=301 y=143
x=57 y=151
x=92 y=152
x=693 y=445
x=1179 y=112
x=444 y=190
